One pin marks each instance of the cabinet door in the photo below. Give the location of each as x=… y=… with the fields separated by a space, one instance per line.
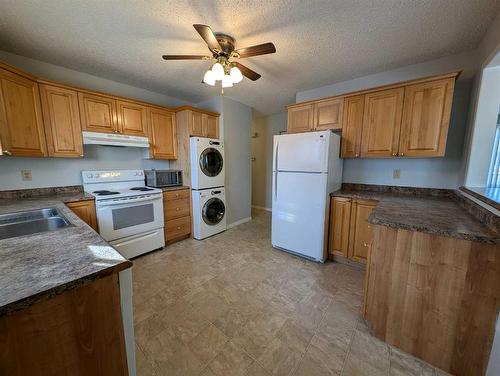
x=21 y=124
x=98 y=113
x=300 y=118
x=132 y=118
x=328 y=114
x=426 y=117
x=210 y=126
x=361 y=235
x=352 y=126
x=196 y=124
x=340 y=217
x=86 y=211
x=61 y=118
x=382 y=123
x=163 y=134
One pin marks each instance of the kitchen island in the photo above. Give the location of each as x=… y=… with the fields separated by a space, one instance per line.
x=60 y=297
x=433 y=275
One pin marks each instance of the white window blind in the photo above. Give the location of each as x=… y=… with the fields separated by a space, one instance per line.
x=494 y=171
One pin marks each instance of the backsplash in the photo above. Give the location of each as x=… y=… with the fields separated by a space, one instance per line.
x=57 y=172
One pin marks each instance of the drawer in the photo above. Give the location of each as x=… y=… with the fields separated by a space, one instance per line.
x=176 y=195
x=177 y=227
x=176 y=208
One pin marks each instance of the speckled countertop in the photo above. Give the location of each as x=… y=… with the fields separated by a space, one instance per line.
x=37 y=266
x=175 y=188
x=439 y=214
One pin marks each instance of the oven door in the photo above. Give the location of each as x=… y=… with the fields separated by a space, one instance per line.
x=121 y=218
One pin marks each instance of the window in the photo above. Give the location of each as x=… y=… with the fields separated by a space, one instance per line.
x=494 y=171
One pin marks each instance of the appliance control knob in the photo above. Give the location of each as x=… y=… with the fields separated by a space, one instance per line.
x=135 y=173
x=140 y=173
x=90 y=176
x=97 y=175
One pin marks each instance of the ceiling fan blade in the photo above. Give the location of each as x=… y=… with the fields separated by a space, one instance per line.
x=247 y=72
x=186 y=57
x=260 y=49
x=208 y=36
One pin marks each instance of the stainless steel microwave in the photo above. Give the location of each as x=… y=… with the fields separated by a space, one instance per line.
x=163 y=178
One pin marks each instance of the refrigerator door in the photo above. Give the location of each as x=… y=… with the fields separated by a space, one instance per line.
x=298 y=216
x=301 y=152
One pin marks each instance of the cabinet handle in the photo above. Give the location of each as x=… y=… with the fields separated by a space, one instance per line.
x=357 y=155
x=178 y=227
x=402 y=154
x=176 y=195
x=394 y=154
x=365 y=244
x=6 y=152
x=177 y=209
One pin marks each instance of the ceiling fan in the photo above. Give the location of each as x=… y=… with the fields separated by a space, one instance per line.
x=225 y=69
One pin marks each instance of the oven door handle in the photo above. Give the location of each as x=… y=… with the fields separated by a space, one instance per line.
x=126 y=202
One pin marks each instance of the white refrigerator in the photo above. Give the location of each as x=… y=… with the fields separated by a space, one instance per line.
x=306 y=168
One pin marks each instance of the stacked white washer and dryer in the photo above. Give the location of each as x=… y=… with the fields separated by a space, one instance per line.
x=207 y=184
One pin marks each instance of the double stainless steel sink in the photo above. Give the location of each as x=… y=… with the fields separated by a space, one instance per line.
x=31 y=222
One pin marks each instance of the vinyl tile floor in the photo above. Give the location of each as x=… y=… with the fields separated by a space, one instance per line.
x=233 y=305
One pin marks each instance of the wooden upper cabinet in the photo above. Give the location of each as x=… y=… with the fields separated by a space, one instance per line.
x=98 y=113
x=328 y=114
x=163 y=134
x=301 y=118
x=426 y=117
x=210 y=126
x=382 y=123
x=196 y=124
x=340 y=221
x=361 y=232
x=132 y=118
x=352 y=126
x=61 y=118
x=21 y=124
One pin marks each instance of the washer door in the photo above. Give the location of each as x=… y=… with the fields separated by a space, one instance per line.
x=213 y=211
x=211 y=162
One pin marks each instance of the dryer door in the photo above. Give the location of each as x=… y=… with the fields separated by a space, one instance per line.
x=211 y=162
x=213 y=211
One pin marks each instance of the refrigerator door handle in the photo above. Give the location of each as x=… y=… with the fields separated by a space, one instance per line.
x=276 y=186
x=276 y=156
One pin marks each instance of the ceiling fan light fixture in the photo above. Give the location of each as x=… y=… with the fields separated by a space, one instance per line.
x=218 y=71
x=236 y=75
x=227 y=81
x=209 y=78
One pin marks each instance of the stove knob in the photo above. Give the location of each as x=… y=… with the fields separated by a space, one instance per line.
x=90 y=176
x=97 y=175
x=135 y=173
x=140 y=173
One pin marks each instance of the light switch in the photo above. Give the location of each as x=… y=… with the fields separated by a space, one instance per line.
x=26 y=175
x=396 y=173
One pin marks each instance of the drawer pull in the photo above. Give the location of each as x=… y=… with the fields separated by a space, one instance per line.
x=176 y=195
x=178 y=227
x=365 y=244
x=177 y=209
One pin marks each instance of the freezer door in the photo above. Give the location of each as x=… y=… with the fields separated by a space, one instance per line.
x=298 y=216
x=301 y=152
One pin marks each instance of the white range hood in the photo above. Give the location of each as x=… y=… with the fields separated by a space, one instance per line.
x=114 y=139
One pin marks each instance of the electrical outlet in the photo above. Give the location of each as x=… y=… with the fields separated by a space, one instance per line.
x=396 y=173
x=26 y=175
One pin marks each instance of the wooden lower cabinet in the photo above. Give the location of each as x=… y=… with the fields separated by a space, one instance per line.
x=86 y=211
x=177 y=213
x=78 y=332
x=350 y=235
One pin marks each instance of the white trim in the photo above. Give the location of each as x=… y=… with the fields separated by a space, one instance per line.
x=262 y=208
x=240 y=222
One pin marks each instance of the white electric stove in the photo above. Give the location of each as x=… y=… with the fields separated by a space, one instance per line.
x=129 y=214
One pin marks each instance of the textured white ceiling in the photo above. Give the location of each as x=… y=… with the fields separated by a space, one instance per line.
x=318 y=41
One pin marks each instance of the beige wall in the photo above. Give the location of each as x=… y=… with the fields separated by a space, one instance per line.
x=263 y=130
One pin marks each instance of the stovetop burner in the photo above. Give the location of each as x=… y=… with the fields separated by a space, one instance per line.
x=105 y=193
x=142 y=189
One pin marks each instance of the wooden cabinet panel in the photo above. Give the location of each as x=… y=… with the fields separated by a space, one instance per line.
x=132 y=118
x=176 y=195
x=176 y=208
x=361 y=234
x=86 y=211
x=61 y=118
x=177 y=228
x=21 y=124
x=98 y=113
x=382 y=123
x=352 y=126
x=340 y=221
x=426 y=117
x=196 y=124
x=328 y=114
x=163 y=134
x=210 y=126
x=300 y=118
